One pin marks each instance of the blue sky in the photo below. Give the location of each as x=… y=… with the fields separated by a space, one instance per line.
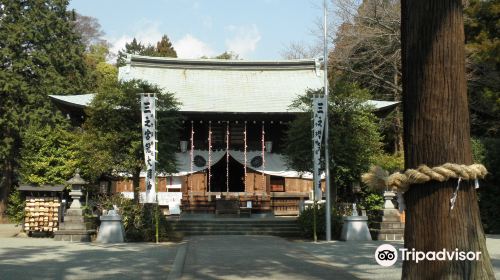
x=255 y=29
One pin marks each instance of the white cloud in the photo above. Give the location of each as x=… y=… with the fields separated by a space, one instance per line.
x=145 y=31
x=244 y=39
x=192 y=47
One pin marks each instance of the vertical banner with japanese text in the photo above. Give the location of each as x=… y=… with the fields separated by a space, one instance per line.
x=317 y=130
x=149 y=142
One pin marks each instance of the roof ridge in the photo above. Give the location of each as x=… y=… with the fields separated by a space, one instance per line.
x=139 y=60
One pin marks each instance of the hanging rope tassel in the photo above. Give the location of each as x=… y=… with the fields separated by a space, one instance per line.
x=455 y=193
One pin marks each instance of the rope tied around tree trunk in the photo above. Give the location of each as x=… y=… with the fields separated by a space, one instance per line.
x=379 y=179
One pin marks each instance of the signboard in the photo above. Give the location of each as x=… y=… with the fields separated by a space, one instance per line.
x=317 y=130
x=149 y=142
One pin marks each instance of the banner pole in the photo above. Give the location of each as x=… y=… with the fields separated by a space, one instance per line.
x=157 y=212
x=327 y=150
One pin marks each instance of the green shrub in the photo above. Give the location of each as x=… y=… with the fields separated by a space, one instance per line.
x=372 y=202
x=389 y=162
x=306 y=222
x=15 y=207
x=138 y=219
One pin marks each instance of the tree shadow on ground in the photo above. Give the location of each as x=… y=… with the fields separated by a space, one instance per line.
x=61 y=260
x=262 y=257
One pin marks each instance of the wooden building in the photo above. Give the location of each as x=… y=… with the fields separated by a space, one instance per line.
x=235 y=117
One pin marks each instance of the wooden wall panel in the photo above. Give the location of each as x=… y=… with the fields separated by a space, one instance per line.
x=254 y=182
x=298 y=185
x=199 y=183
x=196 y=181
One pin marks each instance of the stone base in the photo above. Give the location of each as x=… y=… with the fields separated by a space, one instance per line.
x=378 y=235
x=355 y=228
x=111 y=230
x=388 y=226
x=73 y=235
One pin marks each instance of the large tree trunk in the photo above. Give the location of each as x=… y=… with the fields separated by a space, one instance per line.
x=436 y=131
x=5 y=184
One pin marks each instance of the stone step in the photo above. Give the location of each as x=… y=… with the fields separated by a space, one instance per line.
x=235 y=232
x=285 y=228
x=237 y=229
x=387 y=231
x=235 y=221
x=388 y=225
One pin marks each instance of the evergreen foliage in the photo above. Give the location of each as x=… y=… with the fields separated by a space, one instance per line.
x=101 y=75
x=354 y=135
x=40 y=54
x=138 y=219
x=306 y=225
x=112 y=136
x=15 y=207
x=163 y=48
x=49 y=155
x=483 y=57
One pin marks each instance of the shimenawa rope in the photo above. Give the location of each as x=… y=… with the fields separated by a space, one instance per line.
x=379 y=179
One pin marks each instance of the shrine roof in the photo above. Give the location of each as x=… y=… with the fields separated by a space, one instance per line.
x=237 y=86
x=225 y=86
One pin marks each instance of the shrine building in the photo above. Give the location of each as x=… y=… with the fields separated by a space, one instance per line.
x=235 y=116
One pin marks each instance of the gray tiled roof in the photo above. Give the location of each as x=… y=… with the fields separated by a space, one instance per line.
x=239 y=86
x=203 y=85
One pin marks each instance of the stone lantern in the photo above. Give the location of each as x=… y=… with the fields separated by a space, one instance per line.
x=74 y=228
x=387 y=225
x=76 y=184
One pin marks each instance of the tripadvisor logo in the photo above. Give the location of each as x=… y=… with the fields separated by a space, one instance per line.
x=387 y=255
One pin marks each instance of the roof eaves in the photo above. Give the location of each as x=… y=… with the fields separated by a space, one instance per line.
x=222 y=64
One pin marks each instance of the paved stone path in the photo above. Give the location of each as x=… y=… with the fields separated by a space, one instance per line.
x=253 y=257
x=44 y=258
x=266 y=257
x=198 y=257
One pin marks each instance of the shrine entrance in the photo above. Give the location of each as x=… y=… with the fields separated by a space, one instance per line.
x=219 y=181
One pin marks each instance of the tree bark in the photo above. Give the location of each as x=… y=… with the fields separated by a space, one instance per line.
x=136 y=178
x=436 y=131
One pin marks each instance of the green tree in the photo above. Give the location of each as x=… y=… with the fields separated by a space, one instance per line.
x=483 y=64
x=354 y=135
x=100 y=73
x=49 y=155
x=112 y=138
x=225 y=55
x=133 y=47
x=163 y=48
x=40 y=54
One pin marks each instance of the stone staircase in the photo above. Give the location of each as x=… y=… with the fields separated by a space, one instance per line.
x=229 y=226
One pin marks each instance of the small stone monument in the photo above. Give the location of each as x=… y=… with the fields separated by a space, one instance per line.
x=73 y=228
x=111 y=228
x=388 y=225
x=355 y=228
